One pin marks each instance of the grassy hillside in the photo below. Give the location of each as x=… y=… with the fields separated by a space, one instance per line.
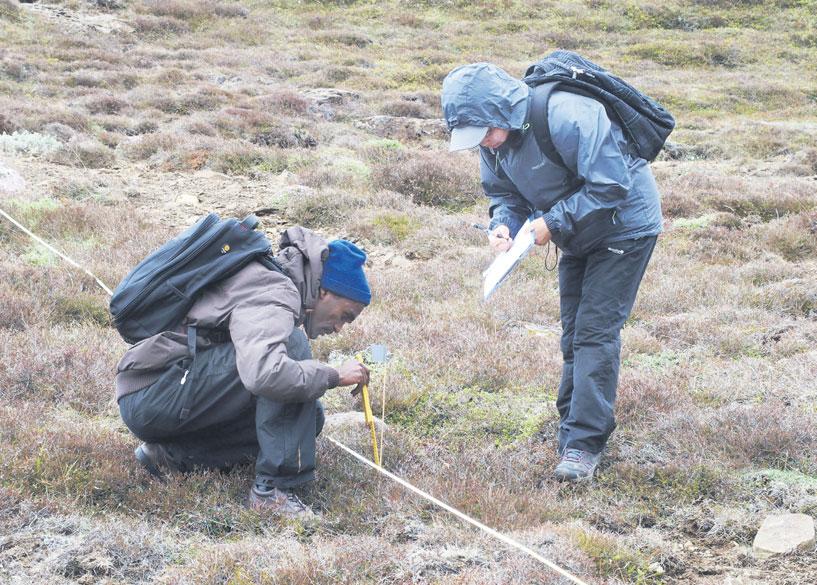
x=128 y=119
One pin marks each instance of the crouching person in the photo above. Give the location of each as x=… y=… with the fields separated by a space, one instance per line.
x=237 y=382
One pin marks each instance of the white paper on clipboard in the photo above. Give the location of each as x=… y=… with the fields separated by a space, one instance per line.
x=503 y=265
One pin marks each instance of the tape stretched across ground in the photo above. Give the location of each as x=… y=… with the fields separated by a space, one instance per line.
x=461 y=515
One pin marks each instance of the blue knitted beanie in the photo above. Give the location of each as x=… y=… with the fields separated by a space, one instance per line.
x=343 y=272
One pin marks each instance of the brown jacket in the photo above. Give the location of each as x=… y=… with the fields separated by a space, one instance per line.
x=260 y=308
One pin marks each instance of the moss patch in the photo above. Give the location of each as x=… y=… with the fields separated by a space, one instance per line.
x=469 y=412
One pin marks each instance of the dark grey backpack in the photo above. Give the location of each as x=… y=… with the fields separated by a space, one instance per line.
x=159 y=291
x=646 y=123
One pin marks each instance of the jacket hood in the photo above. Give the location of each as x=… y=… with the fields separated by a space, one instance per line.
x=482 y=94
x=301 y=254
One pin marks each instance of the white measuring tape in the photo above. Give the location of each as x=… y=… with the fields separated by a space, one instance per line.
x=461 y=515
x=57 y=252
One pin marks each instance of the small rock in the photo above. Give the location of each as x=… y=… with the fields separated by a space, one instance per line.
x=187 y=199
x=656 y=569
x=348 y=419
x=11 y=182
x=784 y=533
x=404 y=128
x=330 y=95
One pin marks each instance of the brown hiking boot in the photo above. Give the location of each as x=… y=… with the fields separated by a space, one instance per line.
x=156 y=460
x=282 y=502
x=577 y=465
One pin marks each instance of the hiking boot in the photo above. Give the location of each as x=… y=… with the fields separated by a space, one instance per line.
x=282 y=502
x=156 y=460
x=577 y=465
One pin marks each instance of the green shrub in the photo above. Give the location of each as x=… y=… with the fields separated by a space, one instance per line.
x=399 y=225
x=85 y=153
x=614 y=560
x=793 y=237
x=470 y=413
x=796 y=297
x=193 y=9
x=346 y=38
x=405 y=108
x=284 y=101
x=105 y=104
x=322 y=208
x=79 y=309
x=436 y=178
x=429 y=76
x=676 y=54
x=146 y=146
x=154 y=26
x=244 y=160
x=381 y=149
x=386 y=227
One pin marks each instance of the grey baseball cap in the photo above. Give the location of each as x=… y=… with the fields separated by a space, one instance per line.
x=463 y=137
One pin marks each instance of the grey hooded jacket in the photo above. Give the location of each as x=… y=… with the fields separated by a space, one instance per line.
x=260 y=308
x=619 y=199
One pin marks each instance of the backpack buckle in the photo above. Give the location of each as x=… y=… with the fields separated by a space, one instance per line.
x=579 y=71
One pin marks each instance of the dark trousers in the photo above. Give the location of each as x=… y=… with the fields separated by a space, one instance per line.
x=212 y=421
x=597 y=292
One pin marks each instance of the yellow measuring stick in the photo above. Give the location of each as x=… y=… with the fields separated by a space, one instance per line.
x=369 y=418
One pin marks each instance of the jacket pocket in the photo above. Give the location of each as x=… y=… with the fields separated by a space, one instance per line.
x=593 y=230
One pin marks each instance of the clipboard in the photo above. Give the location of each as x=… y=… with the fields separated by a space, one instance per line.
x=502 y=266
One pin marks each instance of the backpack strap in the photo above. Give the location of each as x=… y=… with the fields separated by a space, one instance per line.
x=270 y=262
x=539 y=121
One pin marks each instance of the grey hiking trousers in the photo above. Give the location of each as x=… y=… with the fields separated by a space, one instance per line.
x=597 y=292
x=211 y=421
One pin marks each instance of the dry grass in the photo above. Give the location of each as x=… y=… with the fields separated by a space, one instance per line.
x=214 y=106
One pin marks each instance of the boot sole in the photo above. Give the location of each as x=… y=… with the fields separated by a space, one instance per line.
x=574 y=479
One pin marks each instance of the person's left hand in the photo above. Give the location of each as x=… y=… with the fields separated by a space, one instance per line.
x=541 y=233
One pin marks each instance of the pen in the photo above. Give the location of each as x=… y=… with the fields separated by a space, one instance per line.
x=479 y=226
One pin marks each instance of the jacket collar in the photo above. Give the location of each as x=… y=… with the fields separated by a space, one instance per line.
x=301 y=254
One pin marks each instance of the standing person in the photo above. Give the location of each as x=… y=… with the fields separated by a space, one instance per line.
x=606 y=222
x=245 y=386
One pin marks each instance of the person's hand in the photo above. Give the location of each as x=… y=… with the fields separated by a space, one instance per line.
x=500 y=239
x=541 y=233
x=353 y=372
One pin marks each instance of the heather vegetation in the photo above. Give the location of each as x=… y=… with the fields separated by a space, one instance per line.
x=127 y=119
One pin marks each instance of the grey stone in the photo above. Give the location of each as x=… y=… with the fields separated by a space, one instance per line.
x=404 y=128
x=11 y=183
x=784 y=533
x=341 y=420
x=330 y=95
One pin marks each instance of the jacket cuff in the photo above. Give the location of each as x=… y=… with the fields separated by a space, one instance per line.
x=334 y=378
x=551 y=222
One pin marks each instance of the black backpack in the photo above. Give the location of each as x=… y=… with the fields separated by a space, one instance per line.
x=157 y=294
x=645 y=122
